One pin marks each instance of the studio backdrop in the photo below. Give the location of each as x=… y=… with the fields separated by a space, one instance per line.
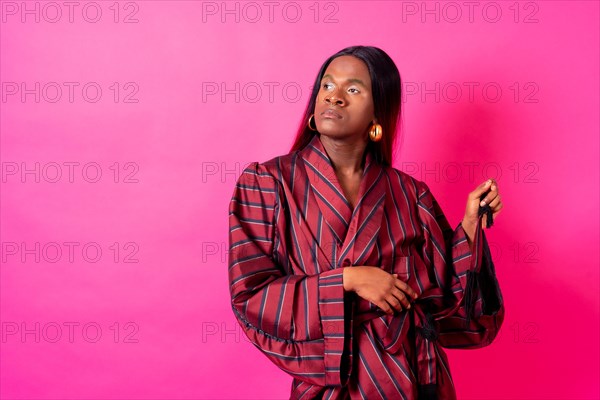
x=125 y=125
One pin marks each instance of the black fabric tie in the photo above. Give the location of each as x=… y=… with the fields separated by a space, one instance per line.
x=484 y=281
x=487 y=210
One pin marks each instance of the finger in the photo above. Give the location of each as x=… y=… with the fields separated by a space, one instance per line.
x=396 y=303
x=383 y=305
x=405 y=288
x=497 y=210
x=492 y=194
x=494 y=202
x=481 y=189
x=497 y=207
x=401 y=297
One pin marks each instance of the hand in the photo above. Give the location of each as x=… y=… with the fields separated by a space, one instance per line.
x=473 y=203
x=379 y=287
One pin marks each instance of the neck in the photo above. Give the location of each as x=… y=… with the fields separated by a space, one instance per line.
x=347 y=156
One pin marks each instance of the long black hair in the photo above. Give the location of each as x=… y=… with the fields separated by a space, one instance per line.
x=386 y=88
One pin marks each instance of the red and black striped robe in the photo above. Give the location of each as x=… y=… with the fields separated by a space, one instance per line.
x=292 y=232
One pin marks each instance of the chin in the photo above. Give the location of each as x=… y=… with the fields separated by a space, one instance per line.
x=331 y=128
x=332 y=133
x=339 y=129
x=338 y=134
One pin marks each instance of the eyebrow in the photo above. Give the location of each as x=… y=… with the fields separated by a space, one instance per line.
x=356 y=80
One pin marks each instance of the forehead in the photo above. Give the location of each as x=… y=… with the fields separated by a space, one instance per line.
x=348 y=67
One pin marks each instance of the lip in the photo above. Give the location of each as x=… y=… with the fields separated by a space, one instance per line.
x=330 y=113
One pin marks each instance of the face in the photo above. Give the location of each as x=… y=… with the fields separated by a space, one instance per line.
x=344 y=106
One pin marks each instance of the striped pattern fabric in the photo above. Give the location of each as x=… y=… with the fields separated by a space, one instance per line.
x=291 y=234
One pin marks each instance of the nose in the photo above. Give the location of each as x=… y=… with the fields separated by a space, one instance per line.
x=334 y=100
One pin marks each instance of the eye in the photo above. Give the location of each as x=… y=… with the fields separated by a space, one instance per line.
x=355 y=90
x=324 y=86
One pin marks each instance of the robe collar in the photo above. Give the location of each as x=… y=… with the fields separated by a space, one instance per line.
x=355 y=231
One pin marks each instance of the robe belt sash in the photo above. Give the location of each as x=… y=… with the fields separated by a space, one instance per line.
x=417 y=316
x=421 y=318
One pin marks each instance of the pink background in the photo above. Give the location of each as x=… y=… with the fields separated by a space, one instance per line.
x=149 y=317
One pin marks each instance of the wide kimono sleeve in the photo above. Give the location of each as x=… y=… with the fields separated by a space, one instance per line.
x=469 y=310
x=297 y=321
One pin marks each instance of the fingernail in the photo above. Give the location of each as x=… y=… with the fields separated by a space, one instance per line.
x=482 y=203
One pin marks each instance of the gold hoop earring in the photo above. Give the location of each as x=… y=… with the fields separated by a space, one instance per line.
x=376 y=132
x=312 y=117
